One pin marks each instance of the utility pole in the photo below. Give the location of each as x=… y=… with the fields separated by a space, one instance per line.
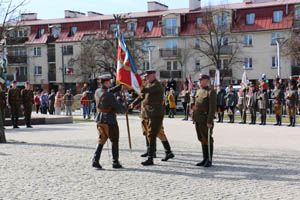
x=277 y=40
x=150 y=48
x=63 y=68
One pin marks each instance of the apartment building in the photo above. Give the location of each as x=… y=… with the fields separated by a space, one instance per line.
x=39 y=51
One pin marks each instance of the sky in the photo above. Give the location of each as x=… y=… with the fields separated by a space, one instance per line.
x=47 y=9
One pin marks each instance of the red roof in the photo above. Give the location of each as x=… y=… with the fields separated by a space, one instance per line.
x=33 y=37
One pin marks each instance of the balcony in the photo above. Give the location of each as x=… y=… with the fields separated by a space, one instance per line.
x=16 y=41
x=170 y=74
x=226 y=50
x=225 y=73
x=296 y=25
x=17 y=59
x=169 y=53
x=170 y=31
x=51 y=57
x=295 y=70
x=51 y=76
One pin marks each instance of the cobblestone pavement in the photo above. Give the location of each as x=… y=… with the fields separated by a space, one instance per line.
x=54 y=162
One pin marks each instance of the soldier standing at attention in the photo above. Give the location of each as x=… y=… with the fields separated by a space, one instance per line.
x=204 y=112
x=27 y=101
x=2 y=102
x=145 y=127
x=221 y=103
x=14 y=103
x=262 y=101
x=107 y=124
x=277 y=95
x=231 y=100
x=252 y=103
x=292 y=102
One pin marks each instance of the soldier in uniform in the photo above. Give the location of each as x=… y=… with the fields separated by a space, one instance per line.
x=252 y=103
x=203 y=116
x=153 y=112
x=2 y=102
x=220 y=103
x=27 y=101
x=14 y=103
x=242 y=104
x=292 y=102
x=262 y=102
x=145 y=122
x=107 y=124
x=231 y=101
x=277 y=95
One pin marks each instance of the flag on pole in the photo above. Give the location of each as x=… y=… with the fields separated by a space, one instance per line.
x=245 y=80
x=126 y=71
x=217 y=78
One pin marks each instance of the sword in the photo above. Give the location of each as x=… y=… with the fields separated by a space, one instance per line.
x=208 y=143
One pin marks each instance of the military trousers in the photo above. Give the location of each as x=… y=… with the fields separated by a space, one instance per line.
x=252 y=112
x=3 y=114
x=161 y=135
x=154 y=126
x=291 y=110
x=106 y=131
x=278 y=109
x=202 y=133
x=14 y=109
x=27 y=114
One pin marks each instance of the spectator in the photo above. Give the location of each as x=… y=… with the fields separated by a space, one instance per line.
x=172 y=104
x=58 y=103
x=84 y=101
x=68 y=102
x=185 y=100
x=37 y=102
x=44 y=103
x=51 y=102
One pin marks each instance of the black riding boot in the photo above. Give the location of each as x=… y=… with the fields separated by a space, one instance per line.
x=222 y=117
x=265 y=119
x=97 y=156
x=151 y=153
x=280 y=120
x=209 y=161
x=169 y=153
x=232 y=116
x=147 y=144
x=205 y=155
x=262 y=119
x=115 y=155
x=219 y=117
x=291 y=121
x=277 y=120
x=294 y=122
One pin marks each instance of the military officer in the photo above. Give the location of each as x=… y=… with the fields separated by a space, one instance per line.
x=153 y=112
x=242 y=103
x=231 y=101
x=27 y=101
x=221 y=103
x=14 y=103
x=204 y=112
x=292 y=102
x=107 y=124
x=2 y=102
x=262 y=102
x=277 y=96
x=252 y=103
x=145 y=121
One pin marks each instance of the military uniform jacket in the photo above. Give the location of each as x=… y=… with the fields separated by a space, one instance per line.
x=292 y=98
x=241 y=97
x=277 y=94
x=231 y=99
x=152 y=102
x=252 y=99
x=262 y=100
x=221 y=97
x=27 y=97
x=14 y=96
x=205 y=105
x=2 y=99
x=108 y=106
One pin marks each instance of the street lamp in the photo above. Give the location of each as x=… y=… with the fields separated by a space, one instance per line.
x=277 y=40
x=150 y=48
x=63 y=68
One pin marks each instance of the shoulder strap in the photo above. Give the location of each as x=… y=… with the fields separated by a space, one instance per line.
x=101 y=98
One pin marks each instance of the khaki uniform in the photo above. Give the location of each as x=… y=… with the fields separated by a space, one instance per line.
x=292 y=103
x=14 y=101
x=28 y=101
x=262 y=103
x=2 y=105
x=277 y=96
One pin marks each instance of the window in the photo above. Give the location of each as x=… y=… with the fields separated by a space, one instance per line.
x=248 y=63
x=146 y=45
x=171 y=44
x=274 y=36
x=199 y=22
x=19 y=52
x=132 y=27
x=22 y=71
x=248 y=40
x=277 y=16
x=297 y=14
x=37 y=51
x=56 y=32
x=197 y=43
x=146 y=65
x=222 y=19
x=250 y=18
x=172 y=65
x=113 y=28
x=149 y=26
x=37 y=70
x=223 y=64
x=73 y=31
x=20 y=33
x=41 y=32
x=171 y=26
x=274 y=62
x=68 y=69
x=224 y=41
x=197 y=65
x=68 y=50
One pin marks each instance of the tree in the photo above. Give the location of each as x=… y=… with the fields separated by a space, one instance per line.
x=9 y=15
x=215 y=43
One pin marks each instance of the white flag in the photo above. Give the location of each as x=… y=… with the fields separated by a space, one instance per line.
x=245 y=80
x=217 y=78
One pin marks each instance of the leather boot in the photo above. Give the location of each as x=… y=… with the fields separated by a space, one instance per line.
x=229 y=119
x=251 y=116
x=222 y=117
x=147 y=144
x=232 y=116
x=151 y=152
x=205 y=155
x=209 y=161
x=97 y=156
x=291 y=121
x=294 y=122
x=115 y=155
x=169 y=153
x=262 y=119
x=280 y=120
x=219 y=117
x=277 y=121
x=265 y=119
